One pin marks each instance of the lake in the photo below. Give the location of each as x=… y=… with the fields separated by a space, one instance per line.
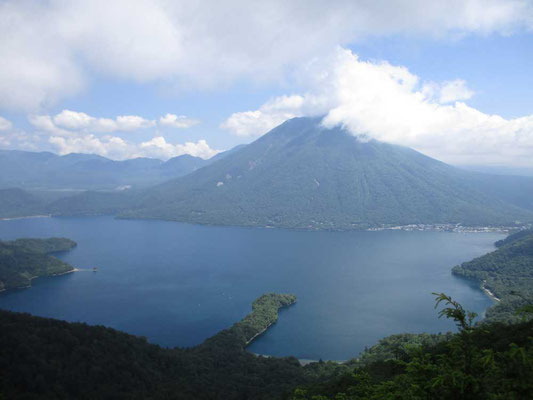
x=178 y=284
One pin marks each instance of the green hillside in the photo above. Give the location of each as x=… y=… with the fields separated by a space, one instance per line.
x=507 y=273
x=24 y=259
x=301 y=175
x=16 y=202
x=45 y=358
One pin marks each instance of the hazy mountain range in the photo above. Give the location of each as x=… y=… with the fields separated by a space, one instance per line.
x=299 y=175
x=74 y=171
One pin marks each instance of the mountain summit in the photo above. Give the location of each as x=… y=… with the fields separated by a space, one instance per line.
x=303 y=175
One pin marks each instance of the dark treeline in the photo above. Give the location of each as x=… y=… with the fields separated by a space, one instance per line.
x=47 y=358
x=490 y=361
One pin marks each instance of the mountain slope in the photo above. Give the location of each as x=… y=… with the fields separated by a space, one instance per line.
x=303 y=175
x=30 y=170
x=16 y=202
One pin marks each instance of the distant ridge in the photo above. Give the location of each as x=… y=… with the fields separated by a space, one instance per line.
x=30 y=170
x=302 y=175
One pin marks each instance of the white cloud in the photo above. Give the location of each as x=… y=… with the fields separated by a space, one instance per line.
x=272 y=113
x=178 y=121
x=117 y=148
x=21 y=140
x=79 y=121
x=132 y=122
x=391 y=104
x=454 y=91
x=109 y=146
x=73 y=120
x=5 y=124
x=49 y=48
x=45 y=123
x=158 y=147
x=76 y=132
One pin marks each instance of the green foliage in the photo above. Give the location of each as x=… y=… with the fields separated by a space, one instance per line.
x=398 y=347
x=463 y=319
x=24 y=259
x=507 y=273
x=486 y=362
x=514 y=237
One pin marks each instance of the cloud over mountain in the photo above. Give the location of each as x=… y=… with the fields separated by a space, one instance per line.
x=389 y=103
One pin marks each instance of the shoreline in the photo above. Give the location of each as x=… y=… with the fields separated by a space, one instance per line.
x=66 y=272
x=436 y=227
x=42 y=276
x=488 y=292
x=26 y=217
x=303 y=361
x=258 y=334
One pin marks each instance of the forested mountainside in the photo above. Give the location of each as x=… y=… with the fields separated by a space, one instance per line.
x=303 y=175
x=22 y=260
x=507 y=273
x=16 y=202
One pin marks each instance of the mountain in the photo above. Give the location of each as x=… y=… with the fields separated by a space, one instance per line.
x=16 y=202
x=303 y=175
x=44 y=170
x=82 y=184
x=499 y=170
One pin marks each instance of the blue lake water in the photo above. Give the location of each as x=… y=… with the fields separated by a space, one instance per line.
x=178 y=284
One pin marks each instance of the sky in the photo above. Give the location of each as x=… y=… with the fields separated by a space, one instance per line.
x=159 y=78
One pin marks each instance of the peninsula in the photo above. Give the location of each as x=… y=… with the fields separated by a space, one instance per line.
x=506 y=275
x=22 y=260
x=264 y=314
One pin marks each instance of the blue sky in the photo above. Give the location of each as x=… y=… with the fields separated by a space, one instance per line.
x=408 y=74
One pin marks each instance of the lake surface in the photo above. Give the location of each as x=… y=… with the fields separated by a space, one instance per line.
x=178 y=284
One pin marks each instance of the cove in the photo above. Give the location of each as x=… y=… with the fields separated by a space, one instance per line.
x=178 y=284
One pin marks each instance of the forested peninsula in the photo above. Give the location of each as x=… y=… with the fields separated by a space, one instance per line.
x=47 y=358
x=506 y=273
x=22 y=260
